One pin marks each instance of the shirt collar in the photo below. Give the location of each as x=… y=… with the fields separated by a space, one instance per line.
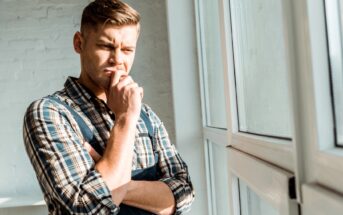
x=78 y=93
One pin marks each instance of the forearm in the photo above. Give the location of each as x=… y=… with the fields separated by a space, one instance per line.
x=115 y=164
x=153 y=196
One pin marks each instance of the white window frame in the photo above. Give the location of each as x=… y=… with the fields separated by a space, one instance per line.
x=211 y=138
x=327 y=158
x=319 y=162
x=276 y=157
x=277 y=151
x=312 y=156
x=211 y=135
x=321 y=201
x=267 y=181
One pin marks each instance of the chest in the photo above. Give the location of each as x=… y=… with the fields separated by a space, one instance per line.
x=101 y=123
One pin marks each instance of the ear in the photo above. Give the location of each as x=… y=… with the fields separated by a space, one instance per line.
x=77 y=41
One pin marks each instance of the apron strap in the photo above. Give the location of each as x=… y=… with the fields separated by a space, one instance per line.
x=148 y=124
x=87 y=133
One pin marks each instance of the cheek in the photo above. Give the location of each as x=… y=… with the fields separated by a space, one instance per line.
x=129 y=61
x=101 y=57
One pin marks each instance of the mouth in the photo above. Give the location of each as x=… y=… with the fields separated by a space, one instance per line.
x=109 y=71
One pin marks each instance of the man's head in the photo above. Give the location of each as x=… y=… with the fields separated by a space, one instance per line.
x=106 y=42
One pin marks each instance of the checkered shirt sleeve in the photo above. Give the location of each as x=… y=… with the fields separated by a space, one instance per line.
x=63 y=166
x=174 y=170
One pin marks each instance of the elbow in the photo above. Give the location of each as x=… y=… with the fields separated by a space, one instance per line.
x=186 y=203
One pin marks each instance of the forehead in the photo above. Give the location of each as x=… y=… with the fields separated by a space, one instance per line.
x=113 y=33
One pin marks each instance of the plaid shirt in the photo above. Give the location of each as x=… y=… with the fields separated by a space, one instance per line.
x=64 y=168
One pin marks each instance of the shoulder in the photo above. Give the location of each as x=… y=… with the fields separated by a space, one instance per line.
x=151 y=114
x=39 y=105
x=43 y=108
x=42 y=104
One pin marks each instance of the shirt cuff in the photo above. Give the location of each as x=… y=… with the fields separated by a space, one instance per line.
x=183 y=194
x=96 y=186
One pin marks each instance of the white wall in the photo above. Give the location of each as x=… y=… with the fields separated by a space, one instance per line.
x=186 y=91
x=36 y=56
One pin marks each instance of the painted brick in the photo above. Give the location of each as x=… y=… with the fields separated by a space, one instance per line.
x=36 y=56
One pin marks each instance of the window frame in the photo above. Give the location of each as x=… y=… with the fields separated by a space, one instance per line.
x=268 y=182
x=277 y=151
x=220 y=139
x=312 y=155
x=321 y=201
x=318 y=159
x=274 y=150
x=211 y=135
x=334 y=38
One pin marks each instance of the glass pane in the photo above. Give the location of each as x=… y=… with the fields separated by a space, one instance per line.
x=219 y=178
x=213 y=65
x=260 y=67
x=335 y=30
x=252 y=204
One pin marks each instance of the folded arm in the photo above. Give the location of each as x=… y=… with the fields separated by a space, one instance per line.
x=173 y=193
x=63 y=166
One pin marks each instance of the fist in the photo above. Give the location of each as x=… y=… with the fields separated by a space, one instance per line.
x=124 y=96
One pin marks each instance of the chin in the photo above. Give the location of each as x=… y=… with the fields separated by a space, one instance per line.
x=104 y=84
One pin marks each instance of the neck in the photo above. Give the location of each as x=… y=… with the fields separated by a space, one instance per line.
x=90 y=85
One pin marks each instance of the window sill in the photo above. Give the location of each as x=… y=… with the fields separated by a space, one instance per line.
x=21 y=200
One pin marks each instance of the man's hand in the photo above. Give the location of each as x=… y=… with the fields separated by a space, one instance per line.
x=124 y=99
x=124 y=96
x=95 y=156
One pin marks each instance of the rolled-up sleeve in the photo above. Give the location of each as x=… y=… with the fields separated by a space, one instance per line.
x=174 y=170
x=63 y=167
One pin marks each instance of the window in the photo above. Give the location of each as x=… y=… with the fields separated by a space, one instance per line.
x=211 y=64
x=217 y=177
x=283 y=87
x=214 y=104
x=252 y=204
x=334 y=20
x=258 y=187
x=260 y=67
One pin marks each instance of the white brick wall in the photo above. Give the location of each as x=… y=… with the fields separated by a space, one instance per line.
x=36 y=56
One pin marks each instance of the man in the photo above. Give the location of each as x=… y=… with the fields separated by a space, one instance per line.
x=128 y=165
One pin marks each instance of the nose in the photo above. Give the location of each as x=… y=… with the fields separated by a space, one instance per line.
x=116 y=57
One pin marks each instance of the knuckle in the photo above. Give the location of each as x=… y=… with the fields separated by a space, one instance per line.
x=126 y=88
x=129 y=78
x=117 y=87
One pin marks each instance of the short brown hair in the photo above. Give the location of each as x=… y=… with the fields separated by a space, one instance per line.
x=114 y=12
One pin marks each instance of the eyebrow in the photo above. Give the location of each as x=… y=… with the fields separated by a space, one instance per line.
x=102 y=40
x=107 y=42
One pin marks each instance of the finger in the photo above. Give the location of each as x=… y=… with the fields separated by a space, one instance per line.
x=116 y=76
x=125 y=81
x=141 y=92
x=131 y=86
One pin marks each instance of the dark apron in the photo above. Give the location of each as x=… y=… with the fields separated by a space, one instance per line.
x=148 y=174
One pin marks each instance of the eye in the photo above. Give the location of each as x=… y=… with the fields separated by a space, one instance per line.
x=128 y=50
x=106 y=46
